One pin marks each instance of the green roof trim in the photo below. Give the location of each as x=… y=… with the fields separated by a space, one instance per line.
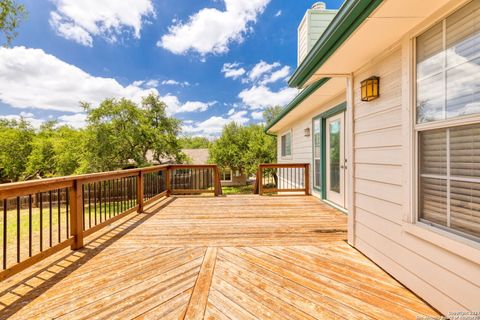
x=349 y=17
x=305 y=93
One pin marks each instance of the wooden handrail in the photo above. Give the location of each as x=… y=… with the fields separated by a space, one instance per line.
x=289 y=182
x=125 y=191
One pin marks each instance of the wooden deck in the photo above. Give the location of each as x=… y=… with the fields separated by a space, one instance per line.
x=236 y=257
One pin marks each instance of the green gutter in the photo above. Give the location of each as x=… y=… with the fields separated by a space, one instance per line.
x=350 y=16
x=305 y=93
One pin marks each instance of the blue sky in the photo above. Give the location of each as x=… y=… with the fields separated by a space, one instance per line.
x=211 y=61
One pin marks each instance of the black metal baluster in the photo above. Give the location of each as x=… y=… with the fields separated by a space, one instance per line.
x=59 y=217
x=18 y=229
x=105 y=200
x=89 y=207
x=95 y=202
x=4 y=234
x=50 y=215
x=83 y=206
x=29 y=225
x=67 y=207
x=109 y=198
x=100 y=199
x=117 y=204
x=41 y=220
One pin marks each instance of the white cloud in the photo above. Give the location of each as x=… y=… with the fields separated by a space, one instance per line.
x=277 y=75
x=175 y=83
x=174 y=105
x=279 y=13
x=259 y=97
x=232 y=70
x=81 y=20
x=33 y=78
x=261 y=68
x=77 y=120
x=231 y=111
x=213 y=126
x=211 y=30
x=257 y=115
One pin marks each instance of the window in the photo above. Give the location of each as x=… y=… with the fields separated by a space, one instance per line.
x=287 y=144
x=448 y=87
x=317 y=183
x=226 y=175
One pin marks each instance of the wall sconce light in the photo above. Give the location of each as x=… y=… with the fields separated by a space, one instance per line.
x=306 y=132
x=370 y=88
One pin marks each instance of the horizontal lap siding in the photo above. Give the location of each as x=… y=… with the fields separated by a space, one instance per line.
x=428 y=270
x=301 y=145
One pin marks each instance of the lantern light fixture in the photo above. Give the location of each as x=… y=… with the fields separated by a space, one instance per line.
x=306 y=132
x=370 y=88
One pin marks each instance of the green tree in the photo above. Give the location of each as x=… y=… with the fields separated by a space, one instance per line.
x=11 y=14
x=194 y=142
x=270 y=113
x=16 y=138
x=243 y=148
x=120 y=134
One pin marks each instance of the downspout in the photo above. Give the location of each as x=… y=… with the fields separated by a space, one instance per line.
x=350 y=161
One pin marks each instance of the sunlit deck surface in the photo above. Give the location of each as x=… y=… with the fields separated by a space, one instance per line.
x=235 y=257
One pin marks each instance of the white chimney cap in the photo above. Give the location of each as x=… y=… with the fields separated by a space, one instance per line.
x=319 y=6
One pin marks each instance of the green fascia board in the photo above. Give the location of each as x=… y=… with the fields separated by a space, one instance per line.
x=349 y=17
x=305 y=93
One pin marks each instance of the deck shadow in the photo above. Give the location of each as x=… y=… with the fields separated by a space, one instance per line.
x=92 y=248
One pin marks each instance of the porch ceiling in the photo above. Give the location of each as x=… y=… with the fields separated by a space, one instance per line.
x=382 y=29
x=329 y=90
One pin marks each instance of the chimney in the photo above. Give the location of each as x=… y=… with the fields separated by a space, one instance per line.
x=313 y=24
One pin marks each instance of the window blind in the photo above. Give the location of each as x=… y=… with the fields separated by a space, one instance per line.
x=450 y=178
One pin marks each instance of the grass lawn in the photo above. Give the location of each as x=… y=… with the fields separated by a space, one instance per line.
x=248 y=189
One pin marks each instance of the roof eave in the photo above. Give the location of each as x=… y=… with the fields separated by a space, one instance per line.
x=295 y=102
x=349 y=17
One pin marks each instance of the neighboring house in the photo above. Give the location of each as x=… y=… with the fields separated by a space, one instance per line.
x=404 y=164
x=228 y=176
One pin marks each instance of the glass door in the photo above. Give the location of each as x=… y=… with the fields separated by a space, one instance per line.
x=335 y=159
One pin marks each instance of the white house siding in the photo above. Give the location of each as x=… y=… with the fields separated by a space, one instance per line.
x=446 y=280
x=301 y=145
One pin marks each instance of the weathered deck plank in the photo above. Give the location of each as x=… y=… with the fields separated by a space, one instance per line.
x=237 y=257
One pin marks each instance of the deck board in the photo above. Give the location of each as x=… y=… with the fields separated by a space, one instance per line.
x=234 y=257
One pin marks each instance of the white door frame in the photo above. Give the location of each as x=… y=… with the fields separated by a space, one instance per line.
x=337 y=198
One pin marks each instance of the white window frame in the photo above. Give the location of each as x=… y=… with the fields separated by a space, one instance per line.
x=287 y=156
x=223 y=176
x=446 y=239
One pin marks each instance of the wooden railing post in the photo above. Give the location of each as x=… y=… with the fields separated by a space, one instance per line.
x=76 y=215
x=216 y=173
x=307 y=179
x=168 y=181
x=260 y=178
x=140 y=192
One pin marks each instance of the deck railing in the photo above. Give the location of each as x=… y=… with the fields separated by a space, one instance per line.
x=41 y=217
x=283 y=178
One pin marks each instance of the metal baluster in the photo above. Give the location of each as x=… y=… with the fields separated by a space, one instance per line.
x=4 y=234
x=89 y=207
x=67 y=207
x=95 y=202
x=18 y=229
x=59 y=217
x=100 y=199
x=50 y=215
x=29 y=225
x=41 y=221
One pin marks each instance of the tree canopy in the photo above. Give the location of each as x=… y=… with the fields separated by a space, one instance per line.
x=119 y=134
x=11 y=14
x=243 y=148
x=270 y=113
x=194 y=142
